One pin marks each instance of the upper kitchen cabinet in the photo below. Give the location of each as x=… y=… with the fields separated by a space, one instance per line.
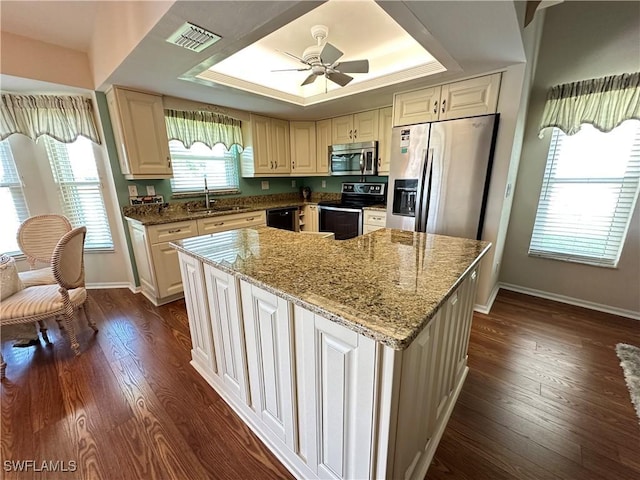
x=324 y=140
x=140 y=132
x=267 y=149
x=303 y=147
x=356 y=128
x=476 y=96
x=385 y=128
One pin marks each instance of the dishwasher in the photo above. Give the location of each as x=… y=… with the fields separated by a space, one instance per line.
x=285 y=218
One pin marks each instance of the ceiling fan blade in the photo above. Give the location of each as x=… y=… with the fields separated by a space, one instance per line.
x=329 y=54
x=310 y=79
x=292 y=70
x=339 y=78
x=353 y=66
x=293 y=56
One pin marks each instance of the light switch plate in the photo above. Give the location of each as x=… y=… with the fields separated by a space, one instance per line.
x=133 y=191
x=324 y=184
x=265 y=184
x=151 y=190
x=293 y=183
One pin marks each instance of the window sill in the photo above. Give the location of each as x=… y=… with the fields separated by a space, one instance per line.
x=591 y=263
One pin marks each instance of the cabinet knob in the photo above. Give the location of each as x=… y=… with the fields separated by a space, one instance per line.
x=443 y=105
x=350 y=133
x=435 y=107
x=355 y=133
x=293 y=164
x=218 y=224
x=271 y=165
x=250 y=219
x=169 y=162
x=175 y=230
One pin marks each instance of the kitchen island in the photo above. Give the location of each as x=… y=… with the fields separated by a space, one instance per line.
x=345 y=358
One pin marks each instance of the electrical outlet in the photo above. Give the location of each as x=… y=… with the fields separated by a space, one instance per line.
x=265 y=185
x=133 y=191
x=324 y=184
x=293 y=183
x=151 y=190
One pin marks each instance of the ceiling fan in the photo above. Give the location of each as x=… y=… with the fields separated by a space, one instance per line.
x=323 y=60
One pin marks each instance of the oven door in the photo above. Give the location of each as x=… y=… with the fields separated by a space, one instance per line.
x=344 y=222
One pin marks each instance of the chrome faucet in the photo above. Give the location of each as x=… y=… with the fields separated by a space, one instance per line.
x=207 y=201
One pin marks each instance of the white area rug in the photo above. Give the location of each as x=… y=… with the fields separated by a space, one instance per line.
x=630 y=362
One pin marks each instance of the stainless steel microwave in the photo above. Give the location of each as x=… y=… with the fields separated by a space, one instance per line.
x=354 y=159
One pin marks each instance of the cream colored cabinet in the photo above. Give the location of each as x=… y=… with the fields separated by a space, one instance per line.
x=385 y=128
x=268 y=327
x=140 y=133
x=476 y=96
x=336 y=378
x=323 y=142
x=356 y=128
x=309 y=218
x=157 y=261
x=303 y=147
x=373 y=220
x=227 y=332
x=202 y=351
x=223 y=223
x=267 y=147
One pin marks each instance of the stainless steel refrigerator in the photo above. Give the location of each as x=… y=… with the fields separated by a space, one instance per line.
x=439 y=176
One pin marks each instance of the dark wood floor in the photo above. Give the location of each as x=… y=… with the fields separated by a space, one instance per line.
x=545 y=398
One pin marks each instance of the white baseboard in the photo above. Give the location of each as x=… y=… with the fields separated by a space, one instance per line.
x=486 y=309
x=572 y=301
x=96 y=285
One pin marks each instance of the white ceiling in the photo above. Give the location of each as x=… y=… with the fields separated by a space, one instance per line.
x=393 y=55
x=467 y=37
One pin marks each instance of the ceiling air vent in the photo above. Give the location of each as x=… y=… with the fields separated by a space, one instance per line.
x=193 y=38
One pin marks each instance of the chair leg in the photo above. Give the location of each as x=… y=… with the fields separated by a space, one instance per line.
x=90 y=321
x=3 y=366
x=71 y=331
x=43 y=331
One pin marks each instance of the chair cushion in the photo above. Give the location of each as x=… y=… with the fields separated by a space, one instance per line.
x=41 y=276
x=38 y=301
x=10 y=282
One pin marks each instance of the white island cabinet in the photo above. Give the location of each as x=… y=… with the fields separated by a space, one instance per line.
x=332 y=397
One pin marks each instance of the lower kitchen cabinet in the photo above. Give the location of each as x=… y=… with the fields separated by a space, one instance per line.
x=330 y=402
x=228 y=334
x=269 y=330
x=373 y=220
x=310 y=216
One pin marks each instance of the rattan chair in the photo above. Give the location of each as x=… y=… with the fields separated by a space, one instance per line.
x=37 y=238
x=37 y=303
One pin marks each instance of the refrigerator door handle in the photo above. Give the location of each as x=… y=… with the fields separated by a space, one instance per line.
x=425 y=192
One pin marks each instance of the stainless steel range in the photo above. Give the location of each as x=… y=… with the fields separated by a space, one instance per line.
x=344 y=217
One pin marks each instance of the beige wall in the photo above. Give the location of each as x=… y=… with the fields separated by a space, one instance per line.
x=27 y=58
x=581 y=40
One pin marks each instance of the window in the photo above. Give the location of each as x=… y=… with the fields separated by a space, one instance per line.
x=191 y=165
x=14 y=206
x=79 y=188
x=589 y=190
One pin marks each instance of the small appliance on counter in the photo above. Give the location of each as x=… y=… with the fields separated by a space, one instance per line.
x=306 y=193
x=345 y=217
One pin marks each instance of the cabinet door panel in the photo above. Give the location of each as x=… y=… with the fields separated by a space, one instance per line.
x=385 y=128
x=226 y=322
x=269 y=357
x=323 y=142
x=365 y=126
x=145 y=133
x=476 y=96
x=203 y=350
x=303 y=147
x=261 y=129
x=280 y=146
x=167 y=268
x=336 y=376
x=342 y=129
x=143 y=261
x=416 y=107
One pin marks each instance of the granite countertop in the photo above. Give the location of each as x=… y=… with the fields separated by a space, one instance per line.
x=386 y=285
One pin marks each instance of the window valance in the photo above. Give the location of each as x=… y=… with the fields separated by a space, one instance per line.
x=206 y=127
x=602 y=102
x=63 y=118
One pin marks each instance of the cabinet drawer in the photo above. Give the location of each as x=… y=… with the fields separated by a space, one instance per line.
x=222 y=223
x=172 y=231
x=373 y=218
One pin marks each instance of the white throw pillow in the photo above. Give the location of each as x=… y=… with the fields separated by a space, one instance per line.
x=9 y=280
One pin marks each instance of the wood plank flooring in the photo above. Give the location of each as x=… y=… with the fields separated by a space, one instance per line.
x=545 y=398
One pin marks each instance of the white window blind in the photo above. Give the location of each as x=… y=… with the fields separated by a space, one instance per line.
x=191 y=165
x=589 y=190
x=80 y=191
x=14 y=206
